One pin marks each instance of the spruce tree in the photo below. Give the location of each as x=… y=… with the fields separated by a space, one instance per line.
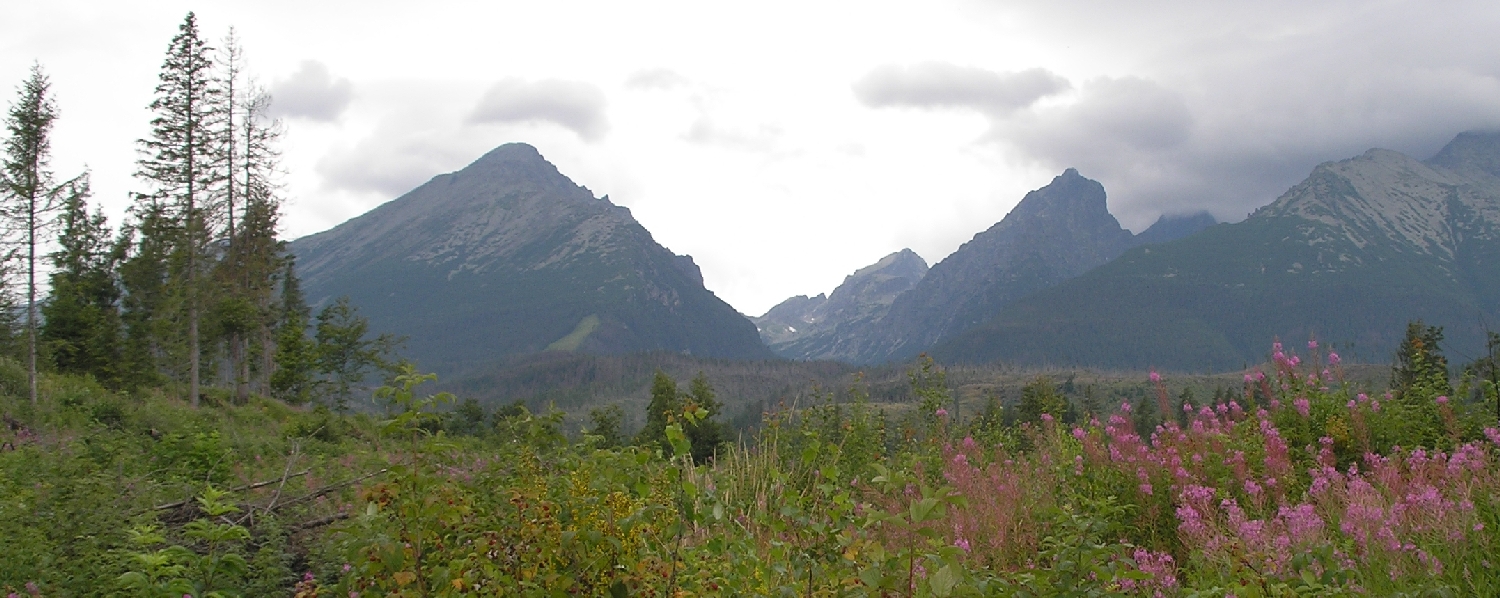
x=1420 y=371
x=30 y=193
x=296 y=361
x=81 y=326
x=253 y=257
x=344 y=355
x=144 y=250
x=180 y=163
x=706 y=436
x=664 y=407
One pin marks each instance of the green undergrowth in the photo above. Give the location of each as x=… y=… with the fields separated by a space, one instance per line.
x=1299 y=484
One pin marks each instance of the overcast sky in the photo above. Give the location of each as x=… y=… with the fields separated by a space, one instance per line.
x=785 y=144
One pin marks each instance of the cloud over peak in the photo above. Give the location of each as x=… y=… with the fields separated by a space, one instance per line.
x=945 y=85
x=573 y=105
x=311 y=93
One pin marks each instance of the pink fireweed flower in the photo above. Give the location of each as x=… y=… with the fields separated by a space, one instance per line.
x=1047 y=418
x=1442 y=400
x=1249 y=379
x=1312 y=345
x=969 y=443
x=1155 y=377
x=1079 y=434
x=1333 y=358
x=1493 y=434
x=1303 y=406
x=962 y=543
x=1158 y=565
x=942 y=412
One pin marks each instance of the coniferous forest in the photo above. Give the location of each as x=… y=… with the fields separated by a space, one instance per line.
x=178 y=422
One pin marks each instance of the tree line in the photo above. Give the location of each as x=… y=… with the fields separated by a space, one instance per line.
x=194 y=293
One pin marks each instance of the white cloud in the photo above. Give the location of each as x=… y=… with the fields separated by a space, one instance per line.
x=654 y=79
x=573 y=105
x=944 y=85
x=311 y=93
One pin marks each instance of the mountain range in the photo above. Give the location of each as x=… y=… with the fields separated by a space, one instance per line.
x=1347 y=257
x=508 y=256
x=1055 y=233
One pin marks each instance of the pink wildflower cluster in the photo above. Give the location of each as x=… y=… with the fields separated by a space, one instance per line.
x=1162 y=569
x=999 y=525
x=1230 y=483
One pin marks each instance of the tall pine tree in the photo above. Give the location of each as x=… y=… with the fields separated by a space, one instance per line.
x=30 y=193
x=255 y=259
x=181 y=165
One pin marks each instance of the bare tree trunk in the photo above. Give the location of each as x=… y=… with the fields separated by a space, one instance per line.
x=241 y=368
x=31 y=302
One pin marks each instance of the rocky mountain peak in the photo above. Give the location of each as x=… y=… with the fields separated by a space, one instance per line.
x=829 y=327
x=1069 y=195
x=508 y=255
x=901 y=264
x=1471 y=152
x=1055 y=233
x=1385 y=198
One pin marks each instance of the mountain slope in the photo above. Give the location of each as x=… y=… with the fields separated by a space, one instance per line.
x=1349 y=256
x=1055 y=233
x=509 y=256
x=1171 y=228
x=821 y=327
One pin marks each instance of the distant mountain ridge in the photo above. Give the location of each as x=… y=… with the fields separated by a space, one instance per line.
x=822 y=327
x=509 y=256
x=1055 y=233
x=1348 y=255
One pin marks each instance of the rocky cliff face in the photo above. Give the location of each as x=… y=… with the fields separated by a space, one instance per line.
x=510 y=256
x=829 y=327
